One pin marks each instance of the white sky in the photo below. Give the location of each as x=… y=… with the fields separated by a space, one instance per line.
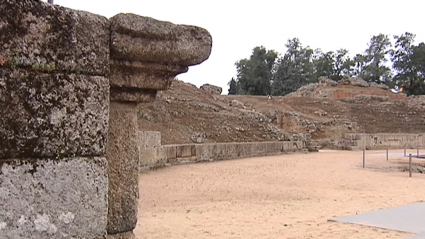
x=237 y=26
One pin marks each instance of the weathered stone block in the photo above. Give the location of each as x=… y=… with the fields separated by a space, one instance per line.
x=232 y=150
x=212 y=89
x=253 y=150
x=243 y=149
x=170 y=153
x=144 y=39
x=147 y=157
x=221 y=151
x=206 y=152
x=148 y=139
x=52 y=115
x=261 y=149
x=124 y=235
x=288 y=146
x=123 y=168
x=150 y=151
x=298 y=145
x=143 y=75
x=132 y=95
x=184 y=151
x=50 y=38
x=274 y=148
x=152 y=157
x=49 y=198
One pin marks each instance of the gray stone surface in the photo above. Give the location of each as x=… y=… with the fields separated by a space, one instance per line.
x=324 y=81
x=123 y=168
x=148 y=139
x=185 y=150
x=132 y=95
x=152 y=157
x=382 y=140
x=382 y=86
x=150 y=151
x=347 y=80
x=407 y=218
x=170 y=152
x=145 y=39
x=124 y=235
x=212 y=89
x=52 y=115
x=143 y=74
x=48 y=198
x=46 y=37
x=206 y=152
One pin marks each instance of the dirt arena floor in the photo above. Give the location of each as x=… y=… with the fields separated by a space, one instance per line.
x=286 y=196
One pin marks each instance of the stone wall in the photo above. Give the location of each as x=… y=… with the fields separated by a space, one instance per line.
x=152 y=154
x=382 y=141
x=54 y=106
x=70 y=82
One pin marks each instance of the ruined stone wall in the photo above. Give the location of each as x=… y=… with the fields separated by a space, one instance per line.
x=382 y=141
x=70 y=82
x=327 y=88
x=343 y=94
x=152 y=154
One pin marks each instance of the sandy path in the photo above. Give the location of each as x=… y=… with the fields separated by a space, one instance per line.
x=287 y=196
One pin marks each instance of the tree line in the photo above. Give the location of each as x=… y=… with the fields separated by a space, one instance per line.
x=266 y=72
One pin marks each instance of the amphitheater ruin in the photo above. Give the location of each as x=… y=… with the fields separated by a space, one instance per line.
x=70 y=151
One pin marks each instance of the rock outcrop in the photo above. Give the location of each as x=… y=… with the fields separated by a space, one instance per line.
x=212 y=89
x=327 y=88
x=346 y=80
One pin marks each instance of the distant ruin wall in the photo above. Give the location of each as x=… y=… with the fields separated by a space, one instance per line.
x=343 y=94
x=382 y=141
x=326 y=88
x=152 y=154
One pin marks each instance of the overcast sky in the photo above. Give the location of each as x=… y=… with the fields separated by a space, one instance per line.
x=237 y=26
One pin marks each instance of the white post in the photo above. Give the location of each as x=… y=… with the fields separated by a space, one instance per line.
x=387 y=152
x=364 y=150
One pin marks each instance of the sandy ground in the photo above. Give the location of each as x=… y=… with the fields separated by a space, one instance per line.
x=286 y=196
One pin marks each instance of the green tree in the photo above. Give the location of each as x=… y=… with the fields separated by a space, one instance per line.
x=324 y=63
x=359 y=62
x=343 y=64
x=333 y=65
x=233 y=87
x=294 y=69
x=375 y=57
x=254 y=74
x=409 y=64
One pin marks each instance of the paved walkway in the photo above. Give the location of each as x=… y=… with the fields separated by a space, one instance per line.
x=408 y=218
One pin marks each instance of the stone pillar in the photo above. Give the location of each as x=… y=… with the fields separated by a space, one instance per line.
x=54 y=107
x=146 y=55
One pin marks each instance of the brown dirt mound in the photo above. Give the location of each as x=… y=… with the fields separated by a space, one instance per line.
x=186 y=114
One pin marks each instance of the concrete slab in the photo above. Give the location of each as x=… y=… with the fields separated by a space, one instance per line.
x=408 y=218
